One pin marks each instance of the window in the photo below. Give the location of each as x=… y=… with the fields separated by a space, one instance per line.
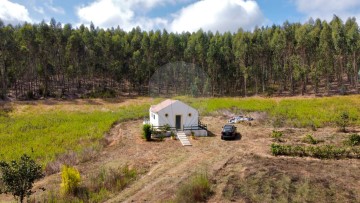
x=189 y=114
x=154 y=116
x=166 y=115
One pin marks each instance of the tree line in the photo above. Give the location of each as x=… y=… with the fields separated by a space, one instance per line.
x=55 y=60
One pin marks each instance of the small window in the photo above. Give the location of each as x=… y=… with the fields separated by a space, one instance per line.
x=189 y=114
x=154 y=116
x=166 y=115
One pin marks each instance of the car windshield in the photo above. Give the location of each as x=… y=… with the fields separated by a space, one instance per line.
x=227 y=128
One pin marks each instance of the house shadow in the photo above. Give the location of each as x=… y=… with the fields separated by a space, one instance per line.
x=156 y=140
x=211 y=134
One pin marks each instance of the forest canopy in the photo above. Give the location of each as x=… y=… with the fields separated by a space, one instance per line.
x=55 y=60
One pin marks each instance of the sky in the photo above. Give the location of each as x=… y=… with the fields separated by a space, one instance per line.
x=176 y=15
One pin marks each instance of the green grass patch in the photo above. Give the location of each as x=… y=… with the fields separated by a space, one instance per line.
x=46 y=134
x=309 y=139
x=277 y=135
x=353 y=140
x=321 y=152
x=296 y=112
x=198 y=189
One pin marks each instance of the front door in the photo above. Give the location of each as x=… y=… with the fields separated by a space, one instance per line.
x=178 y=122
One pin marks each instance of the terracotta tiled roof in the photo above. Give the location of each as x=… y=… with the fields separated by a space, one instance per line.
x=162 y=105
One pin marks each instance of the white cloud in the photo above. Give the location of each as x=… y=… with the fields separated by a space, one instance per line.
x=325 y=9
x=55 y=9
x=224 y=15
x=39 y=9
x=216 y=15
x=125 y=13
x=13 y=13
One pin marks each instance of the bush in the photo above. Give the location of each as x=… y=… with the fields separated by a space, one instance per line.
x=277 y=135
x=147 y=132
x=353 y=140
x=342 y=121
x=172 y=135
x=310 y=139
x=70 y=180
x=112 y=179
x=321 y=152
x=197 y=190
x=18 y=177
x=69 y=158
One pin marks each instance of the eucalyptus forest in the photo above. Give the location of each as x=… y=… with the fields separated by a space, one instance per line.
x=56 y=60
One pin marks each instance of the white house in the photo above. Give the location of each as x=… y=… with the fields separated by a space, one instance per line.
x=177 y=115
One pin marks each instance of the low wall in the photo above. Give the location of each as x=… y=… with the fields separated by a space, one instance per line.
x=199 y=133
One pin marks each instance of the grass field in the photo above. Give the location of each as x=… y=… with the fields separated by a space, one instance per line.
x=49 y=129
x=295 y=112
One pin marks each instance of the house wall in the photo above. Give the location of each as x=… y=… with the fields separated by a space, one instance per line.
x=178 y=108
x=189 y=115
x=154 y=121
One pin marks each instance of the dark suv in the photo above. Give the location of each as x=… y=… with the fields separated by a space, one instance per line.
x=228 y=132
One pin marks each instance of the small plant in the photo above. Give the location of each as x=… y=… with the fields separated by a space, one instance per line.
x=343 y=121
x=193 y=135
x=172 y=135
x=18 y=177
x=310 y=139
x=161 y=137
x=277 y=135
x=166 y=127
x=147 y=132
x=321 y=152
x=112 y=179
x=276 y=149
x=312 y=125
x=353 y=140
x=278 y=121
x=197 y=190
x=70 y=180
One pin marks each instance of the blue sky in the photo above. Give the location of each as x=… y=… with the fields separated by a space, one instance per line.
x=176 y=15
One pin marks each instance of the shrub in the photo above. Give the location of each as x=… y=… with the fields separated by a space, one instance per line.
x=70 y=180
x=112 y=179
x=197 y=190
x=277 y=149
x=356 y=152
x=166 y=128
x=147 y=132
x=172 y=135
x=353 y=140
x=310 y=139
x=321 y=152
x=342 y=121
x=69 y=158
x=18 y=177
x=277 y=135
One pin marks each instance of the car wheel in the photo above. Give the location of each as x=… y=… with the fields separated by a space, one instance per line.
x=222 y=137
